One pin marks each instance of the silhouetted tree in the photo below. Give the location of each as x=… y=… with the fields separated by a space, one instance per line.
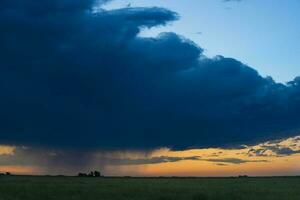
x=91 y=174
x=7 y=173
x=242 y=176
x=82 y=174
x=97 y=174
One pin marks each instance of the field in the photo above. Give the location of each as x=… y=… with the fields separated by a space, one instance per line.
x=85 y=188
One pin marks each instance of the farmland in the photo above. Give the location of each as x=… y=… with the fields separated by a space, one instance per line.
x=75 y=188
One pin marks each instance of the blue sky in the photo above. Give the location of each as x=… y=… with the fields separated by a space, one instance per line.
x=263 y=34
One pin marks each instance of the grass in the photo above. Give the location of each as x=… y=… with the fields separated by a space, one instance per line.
x=75 y=188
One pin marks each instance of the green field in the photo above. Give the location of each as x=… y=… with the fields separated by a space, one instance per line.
x=75 y=188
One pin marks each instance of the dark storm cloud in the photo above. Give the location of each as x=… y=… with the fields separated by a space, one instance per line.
x=70 y=77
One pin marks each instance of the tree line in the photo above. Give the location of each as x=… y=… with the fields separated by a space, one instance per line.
x=90 y=174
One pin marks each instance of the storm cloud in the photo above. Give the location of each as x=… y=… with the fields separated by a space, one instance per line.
x=71 y=77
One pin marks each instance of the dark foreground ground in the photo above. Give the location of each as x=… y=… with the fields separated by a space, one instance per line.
x=75 y=188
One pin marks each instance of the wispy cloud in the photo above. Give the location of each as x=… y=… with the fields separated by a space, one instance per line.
x=152 y=160
x=7 y=150
x=233 y=160
x=277 y=148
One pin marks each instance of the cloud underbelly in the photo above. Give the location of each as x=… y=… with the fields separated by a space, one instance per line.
x=72 y=77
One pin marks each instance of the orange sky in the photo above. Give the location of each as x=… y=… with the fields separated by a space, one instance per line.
x=266 y=159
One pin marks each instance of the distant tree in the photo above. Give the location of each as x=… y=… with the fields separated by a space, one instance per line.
x=97 y=174
x=82 y=174
x=91 y=174
x=242 y=176
x=7 y=173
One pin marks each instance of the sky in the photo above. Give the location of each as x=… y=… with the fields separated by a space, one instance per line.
x=150 y=88
x=263 y=34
